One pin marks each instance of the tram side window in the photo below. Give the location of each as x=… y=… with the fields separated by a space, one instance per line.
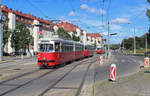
x=46 y=48
x=79 y=48
x=49 y=48
x=63 y=48
x=86 y=48
x=57 y=47
x=67 y=47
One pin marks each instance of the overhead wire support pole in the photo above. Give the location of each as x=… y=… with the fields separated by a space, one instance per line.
x=1 y=32
x=108 y=41
x=146 y=43
x=134 y=42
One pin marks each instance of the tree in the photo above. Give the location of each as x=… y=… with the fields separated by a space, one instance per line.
x=148 y=11
x=6 y=32
x=75 y=38
x=128 y=43
x=21 y=37
x=63 y=34
x=95 y=45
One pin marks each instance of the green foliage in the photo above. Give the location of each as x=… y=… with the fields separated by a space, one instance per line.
x=95 y=45
x=75 y=38
x=63 y=34
x=21 y=37
x=148 y=11
x=6 y=32
x=115 y=46
x=140 y=42
x=128 y=43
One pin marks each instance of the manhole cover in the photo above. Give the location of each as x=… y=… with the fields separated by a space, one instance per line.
x=17 y=69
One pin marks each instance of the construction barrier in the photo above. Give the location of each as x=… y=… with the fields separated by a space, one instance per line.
x=146 y=62
x=113 y=72
x=101 y=59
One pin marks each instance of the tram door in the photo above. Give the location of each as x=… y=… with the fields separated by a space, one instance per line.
x=57 y=49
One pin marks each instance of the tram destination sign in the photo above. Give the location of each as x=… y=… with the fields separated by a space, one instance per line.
x=45 y=41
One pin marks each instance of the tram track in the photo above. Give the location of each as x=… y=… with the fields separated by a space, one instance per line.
x=26 y=83
x=15 y=63
x=36 y=78
x=19 y=76
x=66 y=74
x=83 y=79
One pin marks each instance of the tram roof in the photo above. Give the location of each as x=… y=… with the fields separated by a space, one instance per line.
x=58 y=39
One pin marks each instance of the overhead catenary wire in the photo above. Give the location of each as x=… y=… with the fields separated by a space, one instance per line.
x=140 y=13
x=103 y=1
x=108 y=10
x=36 y=8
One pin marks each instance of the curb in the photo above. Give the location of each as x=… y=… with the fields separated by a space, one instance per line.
x=135 y=54
x=88 y=87
x=6 y=61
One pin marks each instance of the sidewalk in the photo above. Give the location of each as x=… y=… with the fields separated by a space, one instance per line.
x=13 y=58
x=88 y=88
x=137 y=84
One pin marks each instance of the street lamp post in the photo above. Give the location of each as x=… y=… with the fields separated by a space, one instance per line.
x=146 y=42
x=108 y=39
x=1 y=32
x=134 y=42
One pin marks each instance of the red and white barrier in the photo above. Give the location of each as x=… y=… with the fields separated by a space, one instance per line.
x=146 y=62
x=101 y=59
x=113 y=72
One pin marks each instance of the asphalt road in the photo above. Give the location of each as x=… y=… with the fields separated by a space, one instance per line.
x=28 y=80
x=125 y=64
x=23 y=77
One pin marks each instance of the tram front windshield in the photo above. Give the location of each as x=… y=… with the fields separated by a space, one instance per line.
x=99 y=48
x=46 y=48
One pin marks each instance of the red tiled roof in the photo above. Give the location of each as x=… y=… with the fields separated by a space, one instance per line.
x=93 y=35
x=28 y=16
x=67 y=26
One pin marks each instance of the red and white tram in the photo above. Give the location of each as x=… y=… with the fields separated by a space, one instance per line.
x=58 y=51
x=88 y=50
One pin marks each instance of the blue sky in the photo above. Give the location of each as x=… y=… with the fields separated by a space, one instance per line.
x=91 y=15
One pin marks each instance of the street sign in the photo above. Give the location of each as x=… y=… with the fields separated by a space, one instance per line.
x=101 y=59
x=146 y=62
x=113 y=72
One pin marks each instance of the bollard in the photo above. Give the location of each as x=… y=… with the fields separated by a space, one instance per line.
x=101 y=59
x=146 y=62
x=113 y=72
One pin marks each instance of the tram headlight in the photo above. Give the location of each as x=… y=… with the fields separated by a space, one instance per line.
x=44 y=58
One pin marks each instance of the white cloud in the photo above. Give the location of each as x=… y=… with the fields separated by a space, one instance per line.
x=72 y=13
x=100 y=11
x=105 y=33
x=84 y=6
x=92 y=10
x=115 y=27
x=138 y=11
x=120 y=20
x=62 y=18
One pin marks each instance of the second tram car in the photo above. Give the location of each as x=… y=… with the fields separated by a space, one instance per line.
x=100 y=50
x=88 y=50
